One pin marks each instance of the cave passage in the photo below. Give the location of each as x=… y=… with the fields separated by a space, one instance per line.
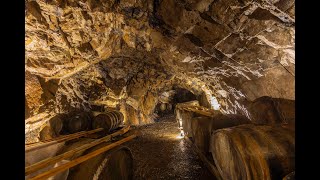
x=169 y=100
x=161 y=153
x=183 y=95
x=220 y=73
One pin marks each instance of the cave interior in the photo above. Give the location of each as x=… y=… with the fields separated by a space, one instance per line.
x=183 y=89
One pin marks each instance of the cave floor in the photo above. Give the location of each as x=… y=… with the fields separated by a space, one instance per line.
x=160 y=153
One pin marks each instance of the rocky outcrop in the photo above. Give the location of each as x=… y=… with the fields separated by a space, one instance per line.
x=124 y=54
x=33 y=92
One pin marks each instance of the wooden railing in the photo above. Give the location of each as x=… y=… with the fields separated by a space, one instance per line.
x=63 y=138
x=52 y=160
x=198 y=109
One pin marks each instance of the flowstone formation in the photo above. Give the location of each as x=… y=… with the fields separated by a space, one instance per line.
x=124 y=53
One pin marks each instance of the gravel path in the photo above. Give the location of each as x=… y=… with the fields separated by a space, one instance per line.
x=160 y=153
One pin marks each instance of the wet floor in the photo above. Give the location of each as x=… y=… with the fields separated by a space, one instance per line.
x=160 y=153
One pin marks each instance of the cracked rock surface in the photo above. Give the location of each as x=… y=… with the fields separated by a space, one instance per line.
x=124 y=53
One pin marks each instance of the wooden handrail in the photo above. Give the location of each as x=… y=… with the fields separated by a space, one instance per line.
x=46 y=162
x=81 y=159
x=198 y=109
x=65 y=136
x=31 y=147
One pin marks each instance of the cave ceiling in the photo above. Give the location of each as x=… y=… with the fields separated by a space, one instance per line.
x=85 y=52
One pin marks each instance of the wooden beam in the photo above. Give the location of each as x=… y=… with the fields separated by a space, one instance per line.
x=208 y=164
x=46 y=162
x=37 y=145
x=81 y=159
x=198 y=109
x=68 y=136
x=199 y=112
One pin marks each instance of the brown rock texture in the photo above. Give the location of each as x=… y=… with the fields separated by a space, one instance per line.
x=124 y=54
x=33 y=92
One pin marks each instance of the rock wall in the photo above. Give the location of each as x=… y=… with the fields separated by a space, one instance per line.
x=126 y=53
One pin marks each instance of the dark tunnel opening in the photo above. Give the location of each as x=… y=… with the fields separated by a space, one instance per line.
x=183 y=95
x=169 y=99
x=163 y=89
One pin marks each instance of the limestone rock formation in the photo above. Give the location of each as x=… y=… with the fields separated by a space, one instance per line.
x=125 y=53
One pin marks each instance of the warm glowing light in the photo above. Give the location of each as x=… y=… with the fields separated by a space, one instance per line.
x=215 y=104
x=181 y=135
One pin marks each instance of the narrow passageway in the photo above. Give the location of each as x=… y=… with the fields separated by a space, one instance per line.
x=161 y=153
x=96 y=71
